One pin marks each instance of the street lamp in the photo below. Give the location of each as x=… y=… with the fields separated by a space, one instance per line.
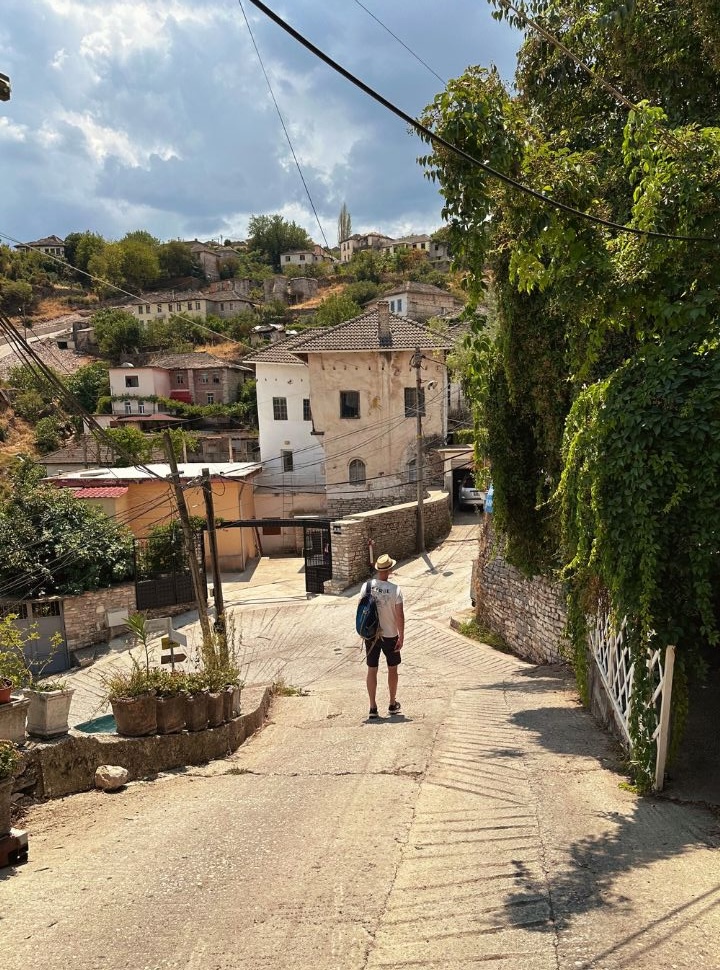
x=4 y=87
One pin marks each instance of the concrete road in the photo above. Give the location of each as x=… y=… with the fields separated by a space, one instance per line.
x=485 y=827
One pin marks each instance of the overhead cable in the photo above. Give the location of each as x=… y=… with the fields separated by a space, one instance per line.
x=436 y=139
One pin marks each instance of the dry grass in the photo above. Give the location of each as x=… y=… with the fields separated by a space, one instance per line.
x=20 y=439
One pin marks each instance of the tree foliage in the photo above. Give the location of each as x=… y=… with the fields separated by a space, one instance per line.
x=55 y=544
x=273 y=235
x=598 y=390
x=344 y=224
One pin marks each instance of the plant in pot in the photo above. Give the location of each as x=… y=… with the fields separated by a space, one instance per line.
x=49 y=708
x=196 y=702
x=131 y=691
x=170 y=688
x=9 y=761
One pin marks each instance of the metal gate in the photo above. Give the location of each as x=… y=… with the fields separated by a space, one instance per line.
x=162 y=572
x=318 y=556
x=47 y=654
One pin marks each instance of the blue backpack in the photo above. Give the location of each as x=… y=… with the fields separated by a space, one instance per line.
x=367 y=621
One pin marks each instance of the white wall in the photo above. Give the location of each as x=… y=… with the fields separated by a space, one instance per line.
x=152 y=381
x=290 y=381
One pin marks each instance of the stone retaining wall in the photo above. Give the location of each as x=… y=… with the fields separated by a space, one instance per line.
x=63 y=767
x=84 y=615
x=392 y=530
x=529 y=614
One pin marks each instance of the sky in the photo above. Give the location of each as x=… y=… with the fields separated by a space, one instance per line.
x=155 y=114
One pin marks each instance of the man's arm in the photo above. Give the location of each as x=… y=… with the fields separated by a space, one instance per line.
x=400 y=620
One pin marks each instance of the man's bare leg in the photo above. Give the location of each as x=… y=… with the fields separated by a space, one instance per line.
x=372 y=675
x=392 y=683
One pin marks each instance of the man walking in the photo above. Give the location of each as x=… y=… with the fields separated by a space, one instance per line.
x=391 y=616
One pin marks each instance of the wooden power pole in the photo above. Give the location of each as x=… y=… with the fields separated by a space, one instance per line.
x=416 y=362
x=212 y=537
x=198 y=581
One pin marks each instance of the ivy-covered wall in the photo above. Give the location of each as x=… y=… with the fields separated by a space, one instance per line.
x=529 y=614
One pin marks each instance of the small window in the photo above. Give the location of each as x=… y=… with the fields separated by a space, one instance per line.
x=411 y=469
x=399 y=306
x=204 y=379
x=349 y=404
x=189 y=305
x=128 y=407
x=287 y=259
x=132 y=381
x=410 y=402
x=141 y=407
x=210 y=397
x=159 y=308
x=307 y=413
x=392 y=306
x=140 y=309
x=179 y=378
x=216 y=378
x=197 y=306
x=147 y=308
x=280 y=411
x=357 y=472
x=287 y=461
x=302 y=259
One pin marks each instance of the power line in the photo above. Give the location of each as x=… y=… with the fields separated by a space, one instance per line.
x=284 y=126
x=428 y=135
x=401 y=42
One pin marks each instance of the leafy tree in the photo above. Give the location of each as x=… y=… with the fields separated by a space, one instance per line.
x=55 y=544
x=82 y=247
x=117 y=333
x=48 y=434
x=596 y=391
x=89 y=383
x=273 y=235
x=106 y=266
x=175 y=259
x=362 y=291
x=336 y=308
x=132 y=446
x=344 y=224
x=16 y=297
x=140 y=262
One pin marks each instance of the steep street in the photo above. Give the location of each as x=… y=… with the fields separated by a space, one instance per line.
x=486 y=826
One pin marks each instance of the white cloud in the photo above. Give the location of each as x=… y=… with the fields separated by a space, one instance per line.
x=59 y=59
x=104 y=142
x=12 y=132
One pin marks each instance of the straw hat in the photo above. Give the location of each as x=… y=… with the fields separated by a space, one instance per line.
x=385 y=563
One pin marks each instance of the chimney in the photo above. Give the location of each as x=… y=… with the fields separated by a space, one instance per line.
x=384 y=334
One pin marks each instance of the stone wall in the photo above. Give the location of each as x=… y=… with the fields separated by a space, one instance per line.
x=529 y=614
x=392 y=530
x=84 y=615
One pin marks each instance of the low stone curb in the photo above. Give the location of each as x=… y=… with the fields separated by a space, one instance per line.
x=68 y=765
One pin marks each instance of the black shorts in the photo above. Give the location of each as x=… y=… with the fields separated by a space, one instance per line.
x=387 y=645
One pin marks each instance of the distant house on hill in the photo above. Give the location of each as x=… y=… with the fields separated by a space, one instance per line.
x=437 y=252
x=420 y=301
x=223 y=302
x=359 y=242
x=306 y=257
x=211 y=258
x=50 y=246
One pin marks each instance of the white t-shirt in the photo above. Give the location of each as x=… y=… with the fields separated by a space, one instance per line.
x=387 y=595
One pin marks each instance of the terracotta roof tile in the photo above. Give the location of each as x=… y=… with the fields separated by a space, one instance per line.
x=362 y=333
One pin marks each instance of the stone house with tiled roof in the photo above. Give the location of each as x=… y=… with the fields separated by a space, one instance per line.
x=49 y=245
x=195 y=378
x=357 y=389
x=421 y=301
x=222 y=302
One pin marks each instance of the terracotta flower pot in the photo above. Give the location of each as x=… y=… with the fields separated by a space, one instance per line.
x=196 y=711
x=5 y=690
x=216 y=708
x=135 y=717
x=171 y=713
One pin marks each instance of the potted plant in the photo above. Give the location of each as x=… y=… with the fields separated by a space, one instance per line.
x=49 y=708
x=132 y=692
x=9 y=760
x=215 y=682
x=169 y=701
x=6 y=686
x=196 y=703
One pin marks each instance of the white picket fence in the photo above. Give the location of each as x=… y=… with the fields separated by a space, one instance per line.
x=617 y=670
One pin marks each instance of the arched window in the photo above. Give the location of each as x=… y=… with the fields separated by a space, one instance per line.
x=411 y=470
x=357 y=472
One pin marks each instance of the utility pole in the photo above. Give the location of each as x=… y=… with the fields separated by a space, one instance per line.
x=416 y=362
x=212 y=536
x=198 y=581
